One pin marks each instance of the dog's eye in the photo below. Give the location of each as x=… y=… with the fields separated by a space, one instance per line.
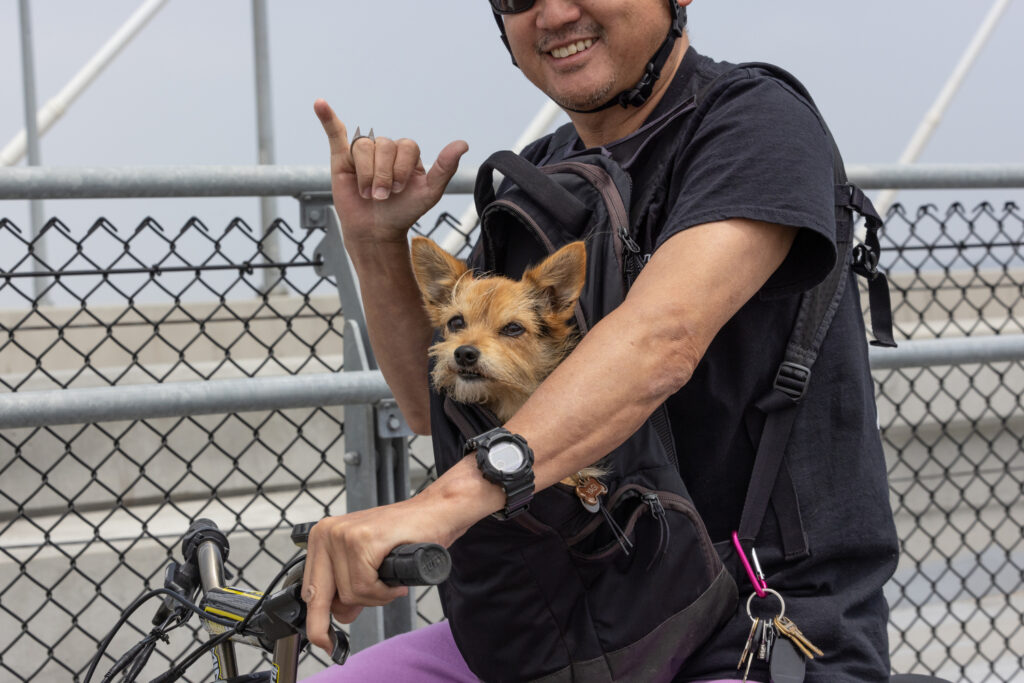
x=513 y=329
x=457 y=323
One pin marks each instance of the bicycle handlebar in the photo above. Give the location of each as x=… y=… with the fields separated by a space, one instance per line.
x=413 y=564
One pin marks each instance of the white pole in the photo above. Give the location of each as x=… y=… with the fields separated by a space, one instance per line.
x=264 y=136
x=934 y=116
x=56 y=107
x=35 y=207
x=541 y=124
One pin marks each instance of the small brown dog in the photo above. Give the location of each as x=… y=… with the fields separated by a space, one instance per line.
x=501 y=337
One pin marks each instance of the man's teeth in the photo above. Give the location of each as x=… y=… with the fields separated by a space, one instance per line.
x=578 y=46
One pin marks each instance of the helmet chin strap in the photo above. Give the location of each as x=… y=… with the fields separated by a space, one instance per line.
x=638 y=94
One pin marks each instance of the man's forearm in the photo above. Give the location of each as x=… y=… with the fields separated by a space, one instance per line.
x=600 y=395
x=646 y=349
x=397 y=324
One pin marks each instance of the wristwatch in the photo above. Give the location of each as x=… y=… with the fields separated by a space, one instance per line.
x=505 y=459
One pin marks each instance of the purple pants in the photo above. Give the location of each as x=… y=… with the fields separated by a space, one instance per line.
x=426 y=655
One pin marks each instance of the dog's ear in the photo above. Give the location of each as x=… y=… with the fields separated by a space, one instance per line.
x=559 y=278
x=436 y=271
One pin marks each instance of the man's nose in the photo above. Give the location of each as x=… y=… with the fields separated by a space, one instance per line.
x=555 y=14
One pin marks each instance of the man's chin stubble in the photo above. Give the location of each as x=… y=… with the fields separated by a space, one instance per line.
x=594 y=99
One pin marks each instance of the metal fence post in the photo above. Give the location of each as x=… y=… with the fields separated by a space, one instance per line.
x=393 y=486
x=376 y=458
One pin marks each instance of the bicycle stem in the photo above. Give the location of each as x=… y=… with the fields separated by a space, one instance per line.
x=211 y=575
x=286 y=650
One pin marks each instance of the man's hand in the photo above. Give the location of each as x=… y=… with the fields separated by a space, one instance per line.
x=380 y=186
x=344 y=553
x=340 y=577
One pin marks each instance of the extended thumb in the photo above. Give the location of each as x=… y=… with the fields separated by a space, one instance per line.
x=446 y=165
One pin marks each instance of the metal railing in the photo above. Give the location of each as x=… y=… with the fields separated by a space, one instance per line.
x=200 y=391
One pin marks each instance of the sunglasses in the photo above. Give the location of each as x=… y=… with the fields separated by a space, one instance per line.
x=511 y=6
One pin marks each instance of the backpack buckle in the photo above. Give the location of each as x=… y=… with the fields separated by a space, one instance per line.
x=792 y=380
x=865 y=261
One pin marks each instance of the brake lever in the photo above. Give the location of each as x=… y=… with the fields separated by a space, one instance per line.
x=284 y=614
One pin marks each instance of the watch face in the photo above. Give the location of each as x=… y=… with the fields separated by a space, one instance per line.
x=505 y=457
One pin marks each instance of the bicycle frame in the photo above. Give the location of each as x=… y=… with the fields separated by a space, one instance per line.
x=286 y=650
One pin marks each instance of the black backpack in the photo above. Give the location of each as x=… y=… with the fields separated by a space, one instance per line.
x=563 y=594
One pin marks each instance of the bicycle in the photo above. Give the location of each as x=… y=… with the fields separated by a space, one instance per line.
x=274 y=622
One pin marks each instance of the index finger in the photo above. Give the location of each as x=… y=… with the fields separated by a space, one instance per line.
x=337 y=137
x=318 y=592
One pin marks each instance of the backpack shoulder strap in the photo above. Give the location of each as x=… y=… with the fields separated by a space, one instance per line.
x=770 y=479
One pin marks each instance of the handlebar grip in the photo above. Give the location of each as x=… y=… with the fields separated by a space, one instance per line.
x=300 y=533
x=416 y=564
x=200 y=531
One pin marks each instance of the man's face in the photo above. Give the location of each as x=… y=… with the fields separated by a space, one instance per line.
x=611 y=42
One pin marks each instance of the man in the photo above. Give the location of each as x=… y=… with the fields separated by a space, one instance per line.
x=745 y=223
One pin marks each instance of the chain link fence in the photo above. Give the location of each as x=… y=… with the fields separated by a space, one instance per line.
x=953 y=437
x=90 y=514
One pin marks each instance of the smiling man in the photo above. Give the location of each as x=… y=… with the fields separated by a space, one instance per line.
x=736 y=219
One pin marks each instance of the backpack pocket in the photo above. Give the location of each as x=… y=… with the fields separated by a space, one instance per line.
x=679 y=594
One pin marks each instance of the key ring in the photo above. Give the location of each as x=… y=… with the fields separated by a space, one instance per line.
x=782 y=603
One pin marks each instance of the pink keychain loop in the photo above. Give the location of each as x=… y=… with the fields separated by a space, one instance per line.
x=759 y=584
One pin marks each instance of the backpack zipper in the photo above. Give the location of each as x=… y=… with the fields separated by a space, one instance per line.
x=604 y=184
x=664 y=531
x=634 y=264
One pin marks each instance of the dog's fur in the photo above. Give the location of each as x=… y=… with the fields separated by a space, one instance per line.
x=501 y=337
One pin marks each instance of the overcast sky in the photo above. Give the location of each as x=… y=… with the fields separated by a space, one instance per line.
x=183 y=91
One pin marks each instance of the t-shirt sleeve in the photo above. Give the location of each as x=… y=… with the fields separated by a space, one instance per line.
x=760 y=152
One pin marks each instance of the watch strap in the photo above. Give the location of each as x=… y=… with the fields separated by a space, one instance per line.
x=518 y=495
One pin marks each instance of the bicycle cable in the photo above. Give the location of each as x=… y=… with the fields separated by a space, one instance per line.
x=178 y=671
x=139 y=654
x=127 y=613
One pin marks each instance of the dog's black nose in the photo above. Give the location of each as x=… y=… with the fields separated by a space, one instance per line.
x=466 y=356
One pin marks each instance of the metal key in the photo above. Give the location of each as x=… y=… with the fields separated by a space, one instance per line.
x=750 y=643
x=787 y=628
x=764 y=650
x=746 y=672
x=761 y=645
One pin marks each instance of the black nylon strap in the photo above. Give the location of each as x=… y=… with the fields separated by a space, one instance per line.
x=566 y=209
x=881 y=311
x=817 y=310
x=764 y=486
x=865 y=263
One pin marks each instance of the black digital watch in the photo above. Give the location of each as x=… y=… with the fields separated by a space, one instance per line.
x=505 y=459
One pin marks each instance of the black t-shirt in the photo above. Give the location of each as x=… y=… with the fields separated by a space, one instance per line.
x=758 y=150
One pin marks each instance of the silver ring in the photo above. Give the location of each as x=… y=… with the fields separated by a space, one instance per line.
x=360 y=136
x=782 y=603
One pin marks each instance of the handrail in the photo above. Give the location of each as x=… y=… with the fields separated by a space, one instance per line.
x=60 y=182
x=220 y=396
x=178 y=399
